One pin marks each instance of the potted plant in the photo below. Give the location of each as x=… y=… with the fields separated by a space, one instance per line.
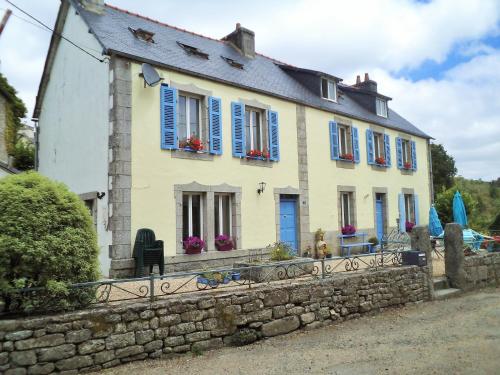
x=223 y=243
x=374 y=241
x=193 y=245
x=348 y=230
x=380 y=160
x=327 y=251
x=280 y=251
x=348 y=157
x=258 y=154
x=409 y=226
x=214 y=278
x=192 y=143
x=407 y=165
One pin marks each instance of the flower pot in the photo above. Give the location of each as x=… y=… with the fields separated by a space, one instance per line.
x=224 y=246
x=236 y=276
x=193 y=250
x=328 y=256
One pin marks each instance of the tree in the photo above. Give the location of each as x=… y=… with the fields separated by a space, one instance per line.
x=47 y=239
x=23 y=153
x=495 y=226
x=444 y=204
x=443 y=168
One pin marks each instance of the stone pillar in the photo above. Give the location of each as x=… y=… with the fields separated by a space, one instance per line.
x=454 y=255
x=421 y=241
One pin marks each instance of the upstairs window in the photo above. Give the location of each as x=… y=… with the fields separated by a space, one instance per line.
x=328 y=89
x=142 y=34
x=406 y=154
x=193 y=50
x=345 y=143
x=189 y=118
x=406 y=149
x=254 y=129
x=378 y=144
x=381 y=105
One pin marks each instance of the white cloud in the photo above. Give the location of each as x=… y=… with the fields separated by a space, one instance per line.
x=343 y=38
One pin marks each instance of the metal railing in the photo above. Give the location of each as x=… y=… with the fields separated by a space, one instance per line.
x=79 y=295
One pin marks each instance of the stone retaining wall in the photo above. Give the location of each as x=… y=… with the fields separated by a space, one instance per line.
x=482 y=270
x=104 y=337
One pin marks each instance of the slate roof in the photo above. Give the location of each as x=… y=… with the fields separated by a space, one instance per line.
x=262 y=74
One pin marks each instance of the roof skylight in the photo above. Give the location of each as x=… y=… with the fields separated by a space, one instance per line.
x=142 y=34
x=193 y=50
x=233 y=63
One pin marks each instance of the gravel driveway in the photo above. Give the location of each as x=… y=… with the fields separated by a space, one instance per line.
x=456 y=336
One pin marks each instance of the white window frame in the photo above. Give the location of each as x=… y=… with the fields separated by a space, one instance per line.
x=410 y=207
x=381 y=105
x=188 y=115
x=190 y=213
x=329 y=96
x=343 y=196
x=343 y=134
x=252 y=125
x=406 y=151
x=378 y=145
x=221 y=214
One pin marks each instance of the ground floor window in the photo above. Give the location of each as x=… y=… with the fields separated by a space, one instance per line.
x=410 y=208
x=222 y=214
x=346 y=209
x=192 y=215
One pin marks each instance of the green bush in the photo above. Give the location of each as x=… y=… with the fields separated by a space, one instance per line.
x=444 y=205
x=47 y=239
x=280 y=251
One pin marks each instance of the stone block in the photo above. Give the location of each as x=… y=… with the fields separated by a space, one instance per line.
x=308 y=318
x=280 y=326
x=16 y=371
x=40 y=342
x=262 y=315
x=169 y=320
x=182 y=328
x=91 y=346
x=207 y=344
x=277 y=297
x=18 y=335
x=174 y=341
x=279 y=312
x=153 y=346
x=23 y=358
x=129 y=351
x=193 y=316
x=74 y=363
x=76 y=337
x=161 y=333
x=41 y=369
x=198 y=336
x=56 y=353
x=120 y=340
x=143 y=337
x=104 y=356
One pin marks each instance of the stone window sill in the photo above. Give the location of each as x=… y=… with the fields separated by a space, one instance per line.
x=184 y=153
x=256 y=162
x=407 y=172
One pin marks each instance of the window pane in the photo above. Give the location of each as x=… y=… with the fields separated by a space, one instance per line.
x=258 y=135
x=255 y=126
x=343 y=140
x=185 y=216
x=196 y=213
x=182 y=118
x=331 y=90
x=345 y=209
x=376 y=145
x=324 y=88
x=248 y=139
x=226 y=215
x=194 y=117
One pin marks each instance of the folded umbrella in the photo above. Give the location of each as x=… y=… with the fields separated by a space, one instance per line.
x=459 y=213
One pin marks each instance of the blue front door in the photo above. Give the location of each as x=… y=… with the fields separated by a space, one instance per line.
x=379 y=215
x=288 y=222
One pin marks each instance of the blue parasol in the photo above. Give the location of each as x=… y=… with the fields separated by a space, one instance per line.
x=459 y=213
x=435 y=227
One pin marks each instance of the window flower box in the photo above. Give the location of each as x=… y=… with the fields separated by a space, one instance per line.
x=258 y=155
x=224 y=243
x=380 y=161
x=348 y=230
x=193 y=245
x=409 y=226
x=407 y=165
x=346 y=157
x=192 y=144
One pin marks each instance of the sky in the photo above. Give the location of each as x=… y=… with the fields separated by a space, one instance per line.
x=439 y=60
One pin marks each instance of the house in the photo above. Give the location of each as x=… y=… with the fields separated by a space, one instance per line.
x=286 y=150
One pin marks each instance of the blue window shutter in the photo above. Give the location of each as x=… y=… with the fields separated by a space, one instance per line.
x=334 y=141
x=355 y=144
x=415 y=205
x=238 y=129
x=168 y=107
x=399 y=152
x=274 y=140
x=215 y=125
x=369 y=146
x=413 y=156
x=402 y=213
x=387 y=146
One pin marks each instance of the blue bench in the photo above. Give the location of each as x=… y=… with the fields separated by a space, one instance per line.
x=348 y=246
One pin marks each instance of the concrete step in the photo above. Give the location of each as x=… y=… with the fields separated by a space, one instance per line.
x=440 y=283
x=446 y=293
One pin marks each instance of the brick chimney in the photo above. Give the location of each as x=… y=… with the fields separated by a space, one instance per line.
x=96 y=6
x=243 y=39
x=367 y=84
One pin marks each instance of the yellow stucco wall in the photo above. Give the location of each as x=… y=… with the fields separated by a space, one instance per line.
x=155 y=172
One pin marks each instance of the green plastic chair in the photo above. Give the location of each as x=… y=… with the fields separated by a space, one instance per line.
x=147 y=252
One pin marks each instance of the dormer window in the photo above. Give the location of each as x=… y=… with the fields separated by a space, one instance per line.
x=381 y=105
x=328 y=89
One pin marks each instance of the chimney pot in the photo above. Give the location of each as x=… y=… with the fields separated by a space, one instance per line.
x=367 y=78
x=358 y=80
x=243 y=39
x=95 y=6
x=238 y=25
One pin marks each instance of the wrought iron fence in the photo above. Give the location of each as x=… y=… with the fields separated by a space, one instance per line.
x=36 y=300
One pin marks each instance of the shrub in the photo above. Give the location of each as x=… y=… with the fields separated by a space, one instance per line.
x=47 y=239
x=280 y=251
x=373 y=240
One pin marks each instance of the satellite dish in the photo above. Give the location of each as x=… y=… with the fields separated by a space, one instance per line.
x=150 y=75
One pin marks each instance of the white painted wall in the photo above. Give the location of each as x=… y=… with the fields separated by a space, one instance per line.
x=74 y=123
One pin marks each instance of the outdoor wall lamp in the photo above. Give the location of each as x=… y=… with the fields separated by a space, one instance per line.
x=262 y=186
